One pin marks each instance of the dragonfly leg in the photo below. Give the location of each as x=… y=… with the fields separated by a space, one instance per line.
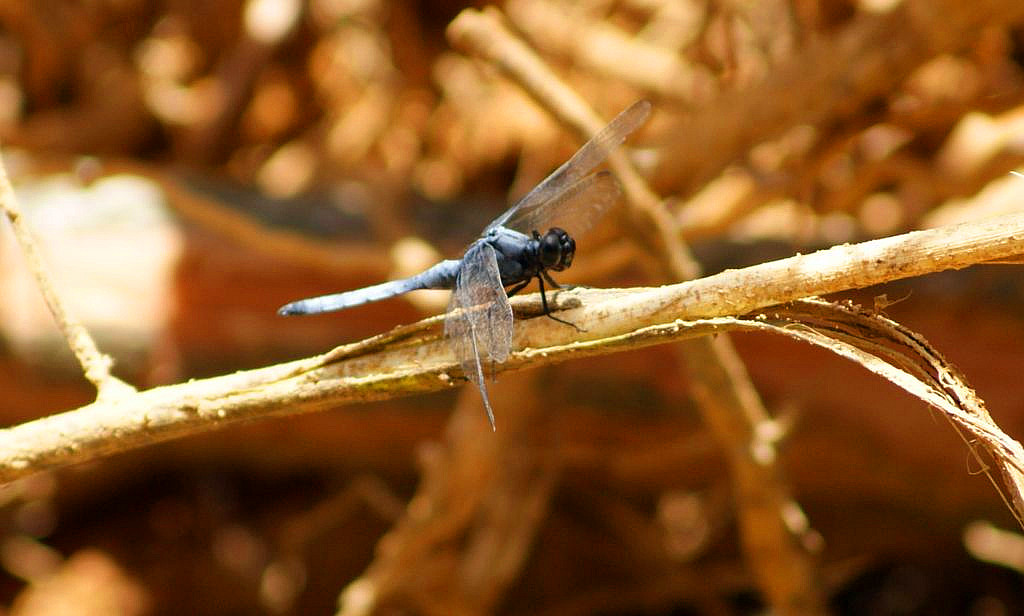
x=544 y=302
x=518 y=287
x=554 y=284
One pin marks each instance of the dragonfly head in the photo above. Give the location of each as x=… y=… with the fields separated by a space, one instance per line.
x=556 y=249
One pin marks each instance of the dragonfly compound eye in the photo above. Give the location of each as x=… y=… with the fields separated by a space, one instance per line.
x=557 y=249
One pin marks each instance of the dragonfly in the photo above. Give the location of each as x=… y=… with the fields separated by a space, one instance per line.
x=509 y=254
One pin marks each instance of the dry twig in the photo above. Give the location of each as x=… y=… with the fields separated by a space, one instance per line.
x=95 y=365
x=415 y=359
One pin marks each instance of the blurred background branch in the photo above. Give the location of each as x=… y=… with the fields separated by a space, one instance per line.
x=95 y=365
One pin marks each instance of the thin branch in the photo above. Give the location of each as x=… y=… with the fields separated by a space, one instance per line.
x=95 y=365
x=420 y=360
x=906 y=359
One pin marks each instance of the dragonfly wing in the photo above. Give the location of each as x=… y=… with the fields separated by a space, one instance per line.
x=576 y=209
x=479 y=321
x=536 y=206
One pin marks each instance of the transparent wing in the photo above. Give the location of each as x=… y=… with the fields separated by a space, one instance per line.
x=538 y=205
x=479 y=321
x=575 y=209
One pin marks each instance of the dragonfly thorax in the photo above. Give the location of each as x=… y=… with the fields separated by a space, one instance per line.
x=555 y=249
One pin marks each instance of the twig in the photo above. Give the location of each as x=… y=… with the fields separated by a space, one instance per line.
x=614 y=320
x=492 y=493
x=907 y=360
x=95 y=365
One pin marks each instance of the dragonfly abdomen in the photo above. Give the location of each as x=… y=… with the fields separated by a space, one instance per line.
x=440 y=276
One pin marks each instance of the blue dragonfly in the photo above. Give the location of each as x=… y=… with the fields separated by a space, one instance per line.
x=510 y=253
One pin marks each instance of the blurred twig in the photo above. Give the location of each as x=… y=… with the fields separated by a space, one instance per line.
x=484 y=34
x=95 y=365
x=832 y=78
x=728 y=400
x=573 y=31
x=479 y=506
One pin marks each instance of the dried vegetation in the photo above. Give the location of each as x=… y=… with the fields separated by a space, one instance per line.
x=187 y=167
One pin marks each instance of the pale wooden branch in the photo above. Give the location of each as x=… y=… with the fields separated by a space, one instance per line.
x=95 y=365
x=416 y=359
